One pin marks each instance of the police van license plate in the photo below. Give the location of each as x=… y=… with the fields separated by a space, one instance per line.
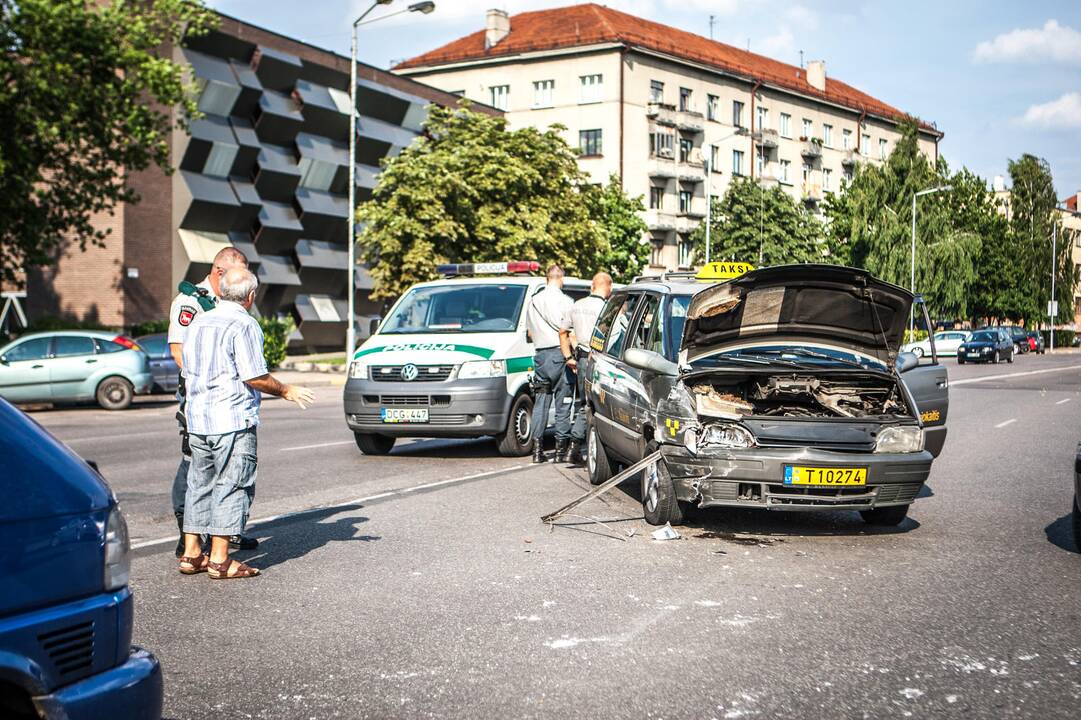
x=405 y=415
x=801 y=475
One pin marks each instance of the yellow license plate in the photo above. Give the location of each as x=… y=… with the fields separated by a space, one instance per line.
x=801 y=475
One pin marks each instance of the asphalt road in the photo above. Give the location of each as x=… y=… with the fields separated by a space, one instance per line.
x=432 y=589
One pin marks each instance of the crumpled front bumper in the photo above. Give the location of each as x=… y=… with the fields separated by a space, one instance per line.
x=132 y=691
x=755 y=478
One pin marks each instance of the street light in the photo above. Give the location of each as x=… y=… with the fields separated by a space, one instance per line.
x=912 y=279
x=421 y=7
x=709 y=198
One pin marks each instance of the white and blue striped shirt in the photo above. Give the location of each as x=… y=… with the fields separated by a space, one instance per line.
x=223 y=348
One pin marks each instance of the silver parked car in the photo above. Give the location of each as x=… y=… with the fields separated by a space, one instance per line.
x=74 y=366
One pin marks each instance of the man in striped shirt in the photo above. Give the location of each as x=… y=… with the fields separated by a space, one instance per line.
x=225 y=372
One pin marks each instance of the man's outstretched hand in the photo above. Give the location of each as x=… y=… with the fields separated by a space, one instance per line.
x=302 y=396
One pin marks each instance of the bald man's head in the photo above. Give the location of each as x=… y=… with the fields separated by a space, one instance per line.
x=555 y=275
x=238 y=285
x=602 y=285
x=226 y=259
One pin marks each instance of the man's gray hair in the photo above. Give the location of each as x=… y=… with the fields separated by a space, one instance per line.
x=237 y=284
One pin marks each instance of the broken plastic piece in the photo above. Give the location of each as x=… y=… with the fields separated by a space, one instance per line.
x=722 y=405
x=665 y=533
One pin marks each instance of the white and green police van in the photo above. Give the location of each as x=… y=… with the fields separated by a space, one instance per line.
x=451 y=360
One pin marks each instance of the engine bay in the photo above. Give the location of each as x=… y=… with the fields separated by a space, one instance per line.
x=798 y=394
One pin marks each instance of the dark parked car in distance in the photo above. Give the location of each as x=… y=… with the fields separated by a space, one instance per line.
x=987 y=345
x=162 y=366
x=66 y=611
x=1018 y=335
x=1036 y=342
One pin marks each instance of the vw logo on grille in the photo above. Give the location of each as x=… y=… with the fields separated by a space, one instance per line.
x=409 y=372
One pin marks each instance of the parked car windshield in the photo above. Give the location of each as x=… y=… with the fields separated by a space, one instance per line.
x=984 y=337
x=457 y=308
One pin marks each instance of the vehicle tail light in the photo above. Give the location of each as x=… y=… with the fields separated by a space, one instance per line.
x=126 y=342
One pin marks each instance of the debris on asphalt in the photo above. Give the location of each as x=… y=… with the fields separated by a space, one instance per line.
x=665 y=533
x=739 y=539
x=604 y=487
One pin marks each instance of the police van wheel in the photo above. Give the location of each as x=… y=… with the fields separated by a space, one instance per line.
x=659 y=504
x=374 y=444
x=518 y=438
x=600 y=468
x=114 y=393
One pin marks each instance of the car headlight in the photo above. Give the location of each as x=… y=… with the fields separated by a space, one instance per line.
x=117 y=551
x=358 y=370
x=726 y=435
x=482 y=369
x=899 y=439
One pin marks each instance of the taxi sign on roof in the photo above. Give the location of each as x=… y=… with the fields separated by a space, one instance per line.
x=723 y=270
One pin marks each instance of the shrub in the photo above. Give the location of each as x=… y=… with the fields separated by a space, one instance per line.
x=275 y=339
x=153 y=327
x=50 y=323
x=915 y=336
x=1063 y=338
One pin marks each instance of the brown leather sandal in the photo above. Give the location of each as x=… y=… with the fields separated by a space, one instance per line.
x=198 y=565
x=220 y=571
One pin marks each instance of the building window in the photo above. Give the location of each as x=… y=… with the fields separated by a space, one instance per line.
x=827 y=179
x=737 y=162
x=220 y=160
x=656 y=197
x=685 y=100
x=827 y=135
x=711 y=107
x=589 y=142
x=686 y=251
x=685 y=197
x=806 y=129
x=737 y=113
x=786 y=166
x=847 y=174
x=806 y=173
x=542 y=93
x=656 y=91
x=656 y=256
x=685 y=148
x=217 y=98
x=661 y=143
x=763 y=117
x=846 y=139
x=786 y=125
x=316 y=174
x=714 y=158
x=592 y=88
x=882 y=152
x=865 y=145
x=499 y=94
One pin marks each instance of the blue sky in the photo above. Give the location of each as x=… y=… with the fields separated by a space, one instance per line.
x=1000 y=78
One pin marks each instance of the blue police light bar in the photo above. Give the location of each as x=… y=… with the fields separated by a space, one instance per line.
x=495 y=268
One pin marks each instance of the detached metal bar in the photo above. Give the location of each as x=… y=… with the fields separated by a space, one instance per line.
x=605 y=487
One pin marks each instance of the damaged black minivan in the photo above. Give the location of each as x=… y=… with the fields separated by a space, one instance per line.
x=781 y=389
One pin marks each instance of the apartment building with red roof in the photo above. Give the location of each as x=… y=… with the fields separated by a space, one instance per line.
x=676 y=115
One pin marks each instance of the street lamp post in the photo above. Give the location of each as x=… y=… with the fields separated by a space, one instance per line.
x=351 y=270
x=912 y=273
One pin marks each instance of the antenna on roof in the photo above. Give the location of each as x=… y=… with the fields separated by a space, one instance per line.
x=801 y=59
x=712 y=21
x=748 y=44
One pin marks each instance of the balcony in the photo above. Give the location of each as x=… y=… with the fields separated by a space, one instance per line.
x=766 y=139
x=660 y=167
x=690 y=121
x=660 y=221
x=812 y=147
x=687 y=222
x=811 y=192
x=850 y=158
x=691 y=171
x=767 y=179
x=662 y=114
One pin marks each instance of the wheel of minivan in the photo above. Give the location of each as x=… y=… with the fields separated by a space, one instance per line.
x=114 y=393
x=659 y=504
x=517 y=440
x=893 y=515
x=600 y=467
x=371 y=444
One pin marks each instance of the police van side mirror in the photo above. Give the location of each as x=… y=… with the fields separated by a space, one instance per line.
x=3 y=359
x=650 y=361
x=373 y=325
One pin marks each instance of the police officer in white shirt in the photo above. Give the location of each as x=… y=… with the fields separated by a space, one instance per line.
x=192 y=301
x=574 y=337
x=547 y=310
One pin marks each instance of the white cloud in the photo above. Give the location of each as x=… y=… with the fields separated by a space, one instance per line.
x=802 y=16
x=1052 y=42
x=781 y=45
x=1062 y=113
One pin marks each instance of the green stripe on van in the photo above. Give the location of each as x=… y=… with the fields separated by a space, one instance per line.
x=519 y=364
x=420 y=347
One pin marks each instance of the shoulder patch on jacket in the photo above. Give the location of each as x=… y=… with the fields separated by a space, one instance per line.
x=187 y=314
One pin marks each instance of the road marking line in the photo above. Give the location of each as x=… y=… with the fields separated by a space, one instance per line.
x=320 y=445
x=966 y=381
x=357 y=501
x=1008 y=422
x=1063 y=401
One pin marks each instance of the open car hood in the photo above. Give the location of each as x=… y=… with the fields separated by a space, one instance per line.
x=846 y=307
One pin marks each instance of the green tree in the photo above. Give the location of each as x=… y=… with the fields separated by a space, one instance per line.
x=762 y=226
x=626 y=246
x=471 y=191
x=85 y=100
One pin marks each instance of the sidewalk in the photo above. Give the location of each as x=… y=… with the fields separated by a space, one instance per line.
x=309 y=378
x=318 y=363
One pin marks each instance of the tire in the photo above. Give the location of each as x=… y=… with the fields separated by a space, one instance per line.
x=1016 y=348
x=597 y=462
x=917 y=351
x=114 y=393
x=885 y=516
x=659 y=503
x=371 y=444
x=1076 y=525
x=995 y=358
x=960 y=359
x=1009 y=358
x=517 y=439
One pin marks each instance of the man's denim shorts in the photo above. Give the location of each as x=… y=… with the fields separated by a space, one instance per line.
x=221 y=482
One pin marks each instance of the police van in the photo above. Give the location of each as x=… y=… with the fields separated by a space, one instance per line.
x=451 y=360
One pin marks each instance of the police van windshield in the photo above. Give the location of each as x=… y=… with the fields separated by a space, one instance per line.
x=457 y=308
